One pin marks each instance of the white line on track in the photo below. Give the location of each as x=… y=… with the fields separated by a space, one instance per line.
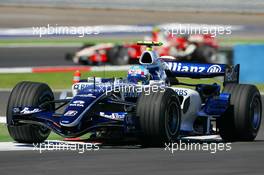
x=41 y=45
x=16 y=70
x=12 y=146
x=53 y=145
x=62 y=68
x=206 y=137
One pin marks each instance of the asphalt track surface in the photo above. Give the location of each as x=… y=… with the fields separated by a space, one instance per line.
x=165 y=5
x=13 y=17
x=37 y=56
x=244 y=158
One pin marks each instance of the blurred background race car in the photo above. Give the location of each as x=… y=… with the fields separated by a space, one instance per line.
x=197 y=48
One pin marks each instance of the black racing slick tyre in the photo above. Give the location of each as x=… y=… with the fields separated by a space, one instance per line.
x=28 y=94
x=205 y=54
x=118 y=55
x=160 y=117
x=242 y=120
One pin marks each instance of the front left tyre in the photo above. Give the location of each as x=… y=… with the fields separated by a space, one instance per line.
x=26 y=94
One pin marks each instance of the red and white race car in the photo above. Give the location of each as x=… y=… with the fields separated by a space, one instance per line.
x=197 y=48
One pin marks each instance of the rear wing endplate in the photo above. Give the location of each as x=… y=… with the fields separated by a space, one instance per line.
x=232 y=74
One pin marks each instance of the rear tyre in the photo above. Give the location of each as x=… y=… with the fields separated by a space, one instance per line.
x=205 y=54
x=84 y=60
x=28 y=94
x=242 y=120
x=118 y=55
x=160 y=117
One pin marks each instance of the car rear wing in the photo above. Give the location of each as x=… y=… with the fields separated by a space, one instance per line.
x=198 y=70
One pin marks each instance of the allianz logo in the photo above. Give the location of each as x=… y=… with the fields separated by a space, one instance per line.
x=178 y=67
x=214 y=69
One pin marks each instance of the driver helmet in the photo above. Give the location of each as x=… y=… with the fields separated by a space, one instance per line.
x=138 y=74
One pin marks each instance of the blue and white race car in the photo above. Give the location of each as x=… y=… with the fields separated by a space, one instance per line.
x=149 y=105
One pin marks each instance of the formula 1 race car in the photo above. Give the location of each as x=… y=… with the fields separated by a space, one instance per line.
x=147 y=105
x=196 y=48
x=90 y=54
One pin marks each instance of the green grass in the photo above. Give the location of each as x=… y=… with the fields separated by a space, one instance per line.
x=64 y=80
x=4 y=135
x=54 y=80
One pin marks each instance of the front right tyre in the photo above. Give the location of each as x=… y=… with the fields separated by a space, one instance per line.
x=160 y=117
